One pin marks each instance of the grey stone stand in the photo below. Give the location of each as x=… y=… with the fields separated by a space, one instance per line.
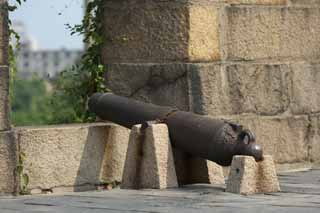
x=249 y=177
x=150 y=161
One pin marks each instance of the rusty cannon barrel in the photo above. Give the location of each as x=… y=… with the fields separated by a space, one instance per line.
x=200 y=136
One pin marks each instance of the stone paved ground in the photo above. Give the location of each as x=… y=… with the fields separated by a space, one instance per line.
x=300 y=193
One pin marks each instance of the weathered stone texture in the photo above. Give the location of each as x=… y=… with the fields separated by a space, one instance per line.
x=193 y=170
x=69 y=155
x=163 y=84
x=3 y=33
x=305 y=2
x=8 y=162
x=263 y=2
x=249 y=177
x=149 y=162
x=221 y=89
x=4 y=98
x=256 y=33
x=157 y=31
x=203 y=39
x=234 y=89
x=305 y=80
x=115 y=154
x=243 y=92
x=268 y=74
x=314 y=138
x=203 y=171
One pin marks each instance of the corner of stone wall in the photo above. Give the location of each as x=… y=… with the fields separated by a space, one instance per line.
x=8 y=163
x=8 y=146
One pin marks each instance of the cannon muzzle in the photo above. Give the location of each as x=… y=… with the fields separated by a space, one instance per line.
x=200 y=136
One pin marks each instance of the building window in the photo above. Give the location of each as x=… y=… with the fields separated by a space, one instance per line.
x=44 y=54
x=26 y=54
x=67 y=54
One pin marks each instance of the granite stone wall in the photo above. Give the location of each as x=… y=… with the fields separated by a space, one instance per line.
x=252 y=61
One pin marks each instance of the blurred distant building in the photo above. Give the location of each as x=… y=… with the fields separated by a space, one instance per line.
x=44 y=63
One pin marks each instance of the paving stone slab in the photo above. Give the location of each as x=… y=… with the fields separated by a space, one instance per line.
x=192 y=198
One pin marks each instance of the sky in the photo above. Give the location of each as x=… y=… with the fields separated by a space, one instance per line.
x=45 y=21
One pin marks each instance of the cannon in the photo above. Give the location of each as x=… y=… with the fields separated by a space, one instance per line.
x=213 y=139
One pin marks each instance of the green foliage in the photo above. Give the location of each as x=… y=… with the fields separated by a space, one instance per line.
x=31 y=105
x=12 y=49
x=86 y=77
x=34 y=104
x=24 y=177
x=30 y=102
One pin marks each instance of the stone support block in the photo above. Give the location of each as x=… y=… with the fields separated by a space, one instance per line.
x=4 y=34
x=192 y=170
x=249 y=177
x=72 y=155
x=115 y=154
x=4 y=98
x=8 y=163
x=264 y=33
x=158 y=31
x=149 y=162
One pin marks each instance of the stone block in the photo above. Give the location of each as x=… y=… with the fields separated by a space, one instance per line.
x=4 y=34
x=263 y=89
x=314 y=138
x=258 y=2
x=210 y=88
x=83 y=188
x=4 y=98
x=193 y=170
x=162 y=84
x=158 y=31
x=204 y=171
x=70 y=155
x=305 y=2
x=238 y=88
x=284 y=137
x=264 y=33
x=115 y=154
x=8 y=163
x=149 y=162
x=249 y=177
x=217 y=89
x=305 y=92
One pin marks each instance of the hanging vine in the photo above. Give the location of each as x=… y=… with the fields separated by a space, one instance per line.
x=13 y=35
x=86 y=77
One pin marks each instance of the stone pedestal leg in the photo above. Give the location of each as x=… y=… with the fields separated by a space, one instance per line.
x=149 y=162
x=192 y=170
x=115 y=154
x=249 y=177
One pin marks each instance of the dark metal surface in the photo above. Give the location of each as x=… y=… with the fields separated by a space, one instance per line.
x=212 y=139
